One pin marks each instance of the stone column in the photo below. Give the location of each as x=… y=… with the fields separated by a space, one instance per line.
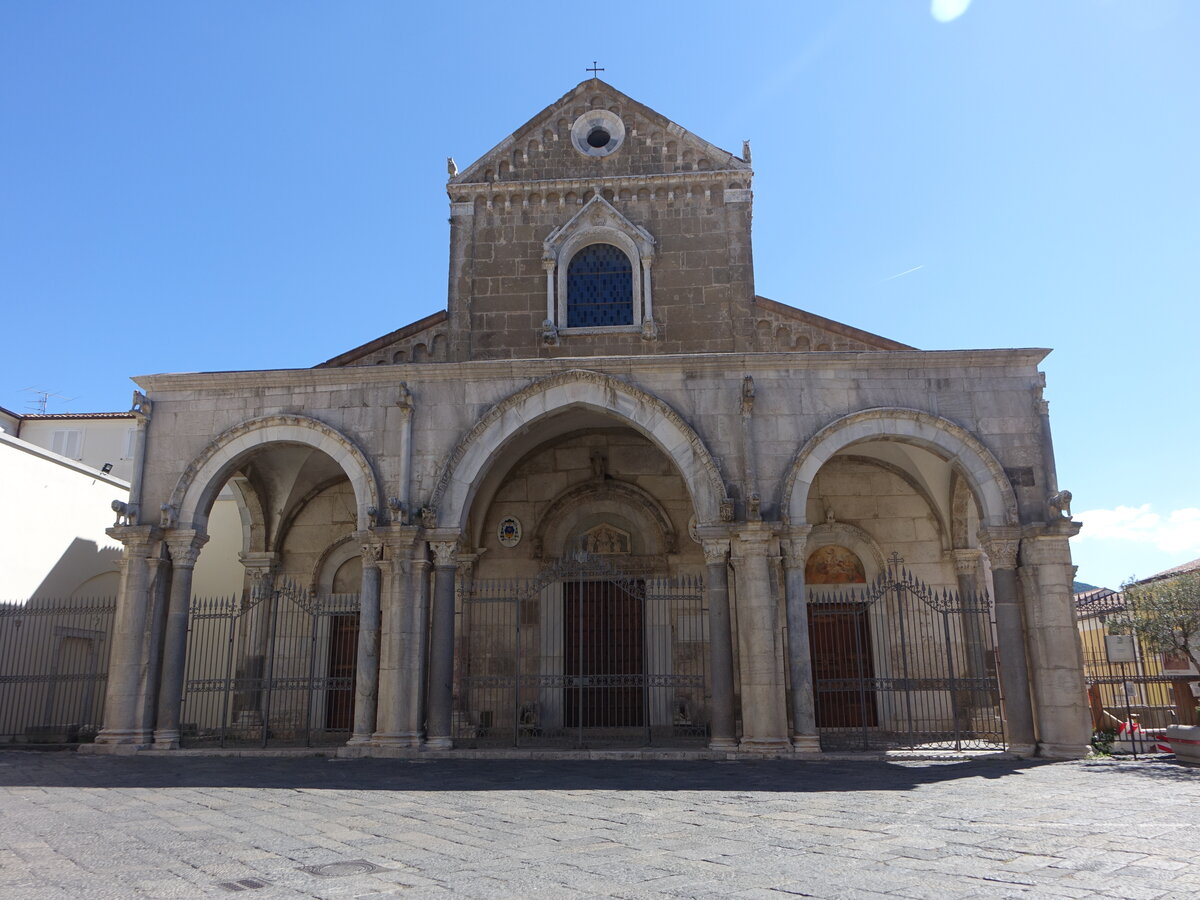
x=764 y=711
x=366 y=681
x=441 y=646
x=397 y=651
x=184 y=546
x=124 y=713
x=416 y=663
x=260 y=569
x=1001 y=546
x=804 y=711
x=720 y=646
x=1064 y=725
x=647 y=294
x=967 y=570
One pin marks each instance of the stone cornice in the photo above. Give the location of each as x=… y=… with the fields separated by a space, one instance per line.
x=415 y=374
x=486 y=188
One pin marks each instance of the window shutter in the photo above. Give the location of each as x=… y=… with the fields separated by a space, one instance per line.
x=130 y=437
x=68 y=443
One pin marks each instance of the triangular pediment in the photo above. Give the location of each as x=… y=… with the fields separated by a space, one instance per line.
x=549 y=147
x=598 y=215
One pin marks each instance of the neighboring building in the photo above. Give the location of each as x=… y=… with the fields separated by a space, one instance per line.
x=608 y=497
x=54 y=543
x=1159 y=689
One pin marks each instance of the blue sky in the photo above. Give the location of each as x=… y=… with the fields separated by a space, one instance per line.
x=230 y=185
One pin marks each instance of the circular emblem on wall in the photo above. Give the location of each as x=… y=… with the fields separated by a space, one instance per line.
x=598 y=132
x=509 y=531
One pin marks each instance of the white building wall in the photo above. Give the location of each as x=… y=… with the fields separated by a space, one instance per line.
x=52 y=536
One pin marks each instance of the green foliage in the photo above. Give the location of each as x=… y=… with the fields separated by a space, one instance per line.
x=1164 y=616
x=1102 y=741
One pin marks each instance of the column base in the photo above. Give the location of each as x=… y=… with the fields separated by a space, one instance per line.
x=765 y=745
x=806 y=743
x=438 y=743
x=357 y=739
x=166 y=739
x=1022 y=751
x=400 y=739
x=723 y=744
x=139 y=737
x=1062 y=751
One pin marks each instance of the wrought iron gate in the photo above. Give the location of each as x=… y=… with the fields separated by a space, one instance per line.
x=583 y=655
x=898 y=664
x=276 y=667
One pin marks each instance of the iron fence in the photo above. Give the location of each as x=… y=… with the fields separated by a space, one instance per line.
x=582 y=655
x=897 y=664
x=54 y=669
x=276 y=667
x=1153 y=690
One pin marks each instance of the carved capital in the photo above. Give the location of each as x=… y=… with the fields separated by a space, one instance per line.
x=794 y=544
x=139 y=540
x=716 y=553
x=372 y=553
x=260 y=568
x=966 y=562
x=404 y=397
x=445 y=553
x=1001 y=545
x=748 y=395
x=184 y=547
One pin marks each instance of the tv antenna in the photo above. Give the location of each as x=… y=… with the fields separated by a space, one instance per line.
x=42 y=399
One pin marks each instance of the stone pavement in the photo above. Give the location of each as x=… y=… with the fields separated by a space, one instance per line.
x=94 y=826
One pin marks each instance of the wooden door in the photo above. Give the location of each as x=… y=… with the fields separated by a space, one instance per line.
x=842 y=666
x=604 y=656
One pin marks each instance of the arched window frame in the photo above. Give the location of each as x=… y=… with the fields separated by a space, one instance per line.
x=598 y=223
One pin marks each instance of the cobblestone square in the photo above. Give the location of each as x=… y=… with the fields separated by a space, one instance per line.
x=78 y=826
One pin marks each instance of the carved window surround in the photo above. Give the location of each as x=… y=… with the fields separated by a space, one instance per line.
x=598 y=222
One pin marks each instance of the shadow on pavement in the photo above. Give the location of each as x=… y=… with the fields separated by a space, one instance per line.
x=315 y=773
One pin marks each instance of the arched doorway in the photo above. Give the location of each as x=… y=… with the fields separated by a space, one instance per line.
x=274 y=661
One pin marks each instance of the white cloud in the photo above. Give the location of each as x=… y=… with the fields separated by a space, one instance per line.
x=1177 y=532
x=948 y=10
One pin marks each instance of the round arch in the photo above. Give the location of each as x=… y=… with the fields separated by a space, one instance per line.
x=983 y=473
x=204 y=476
x=644 y=412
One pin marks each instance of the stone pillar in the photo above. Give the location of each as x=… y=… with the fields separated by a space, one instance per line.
x=804 y=711
x=967 y=569
x=1064 y=726
x=251 y=657
x=647 y=301
x=125 y=720
x=399 y=652
x=184 y=547
x=441 y=646
x=764 y=711
x=366 y=681
x=1001 y=545
x=720 y=646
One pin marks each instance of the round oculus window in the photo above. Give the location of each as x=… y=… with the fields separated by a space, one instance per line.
x=598 y=133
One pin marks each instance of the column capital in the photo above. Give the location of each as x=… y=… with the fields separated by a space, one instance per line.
x=716 y=552
x=1001 y=544
x=370 y=547
x=794 y=544
x=184 y=545
x=139 y=540
x=445 y=554
x=966 y=561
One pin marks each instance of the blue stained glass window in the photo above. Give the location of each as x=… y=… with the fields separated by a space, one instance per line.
x=599 y=287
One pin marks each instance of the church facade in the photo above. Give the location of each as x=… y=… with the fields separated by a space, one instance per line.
x=610 y=497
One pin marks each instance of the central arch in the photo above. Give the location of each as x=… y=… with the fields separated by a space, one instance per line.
x=585 y=389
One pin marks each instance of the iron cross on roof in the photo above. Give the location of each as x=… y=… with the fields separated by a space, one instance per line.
x=594 y=69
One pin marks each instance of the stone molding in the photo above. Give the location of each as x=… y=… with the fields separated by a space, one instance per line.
x=991 y=486
x=140 y=541
x=706 y=494
x=234 y=442
x=362 y=376
x=793 y=544
x=470 y=191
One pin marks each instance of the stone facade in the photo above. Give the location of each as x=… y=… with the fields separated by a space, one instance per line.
x=704 y=433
